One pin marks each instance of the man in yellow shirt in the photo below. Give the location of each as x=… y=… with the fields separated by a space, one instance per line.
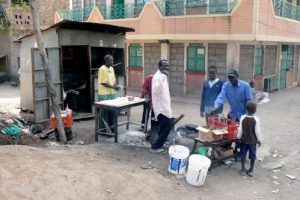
x=107 y=89
x=107 y=80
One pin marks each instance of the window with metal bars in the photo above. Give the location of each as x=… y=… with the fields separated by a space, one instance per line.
x=259 y=59
x=135 y=55
x=196 y=58
x=77 y=4
x=100 y=2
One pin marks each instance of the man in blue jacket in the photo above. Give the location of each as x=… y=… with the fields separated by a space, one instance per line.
x=237 y=92
x=211 y=89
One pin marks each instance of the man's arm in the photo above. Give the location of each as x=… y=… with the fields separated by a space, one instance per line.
x=103 y=80
x=145 y=87
x=221 y=98
x=258 y=130
x=248 y=94
x=115 y=86
x=240 y=129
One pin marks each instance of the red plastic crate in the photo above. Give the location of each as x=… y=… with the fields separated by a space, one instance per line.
x=232 y=126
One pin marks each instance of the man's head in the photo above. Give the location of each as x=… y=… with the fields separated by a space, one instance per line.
x=233 y=76
x=164 y=66
x=251 y=107
x=212 y=72
x=252 y=84
x=109 y=60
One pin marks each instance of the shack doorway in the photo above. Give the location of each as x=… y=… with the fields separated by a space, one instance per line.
x=76 y=79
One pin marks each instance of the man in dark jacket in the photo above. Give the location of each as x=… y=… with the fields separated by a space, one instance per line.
x=211 y=89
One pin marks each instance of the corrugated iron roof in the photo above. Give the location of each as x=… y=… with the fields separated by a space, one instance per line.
x=68 y=24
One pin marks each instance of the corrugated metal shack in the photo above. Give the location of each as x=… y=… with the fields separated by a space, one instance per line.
x=75 y=51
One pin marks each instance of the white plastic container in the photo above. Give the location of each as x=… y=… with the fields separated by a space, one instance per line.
x=178 y=156
x=197 y=169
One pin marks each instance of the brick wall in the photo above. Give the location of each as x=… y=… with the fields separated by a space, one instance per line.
x=246 y=62
x=217 y=54
x=151 y=22
x=239 y=22
x=21 y=18
x=270 y=60
x=270 y=24
x=151 y=57
x=177 y=68
x=46 y=10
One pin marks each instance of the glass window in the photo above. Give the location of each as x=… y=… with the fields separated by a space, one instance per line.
x=259 y=59
x=88 y=3
x=100 y=2
x=196 y=58
x=142 y=1
x=135 y=55
x=77 y=4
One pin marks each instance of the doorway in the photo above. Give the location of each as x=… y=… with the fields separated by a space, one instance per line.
x=287 y=53
x=76 y=78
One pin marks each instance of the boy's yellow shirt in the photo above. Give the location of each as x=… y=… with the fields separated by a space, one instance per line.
x=106 y=75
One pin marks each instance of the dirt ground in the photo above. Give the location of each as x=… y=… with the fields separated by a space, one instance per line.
x=106 y=170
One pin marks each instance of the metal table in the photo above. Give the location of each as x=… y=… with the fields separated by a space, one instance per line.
x=214 y=145
x=117 y=105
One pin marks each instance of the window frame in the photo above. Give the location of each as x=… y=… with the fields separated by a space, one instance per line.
x=135 y=55
x=194 y=61
x=259 y=59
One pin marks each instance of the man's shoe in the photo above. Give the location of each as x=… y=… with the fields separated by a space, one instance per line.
x=142 y=128
x=147 y=137
x=249 y=173
x=166 y=144
x=160 y=150
x=243 y=172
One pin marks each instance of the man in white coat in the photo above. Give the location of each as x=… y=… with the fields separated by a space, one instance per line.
x=161 y=102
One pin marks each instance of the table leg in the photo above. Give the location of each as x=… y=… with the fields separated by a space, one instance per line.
x=128 y=118
x=194 y=146
x=116 y=126
x=212 y=156
x=96 y=123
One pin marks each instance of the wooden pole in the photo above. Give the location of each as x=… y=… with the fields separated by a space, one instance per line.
x=53 y=98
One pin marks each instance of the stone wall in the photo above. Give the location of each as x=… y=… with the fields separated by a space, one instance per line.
x=177 y=68
x=217 y=54
x=270 y=60
x=246 y=68
x=152 y=53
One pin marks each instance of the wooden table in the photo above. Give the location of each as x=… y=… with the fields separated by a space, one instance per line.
x=117 y=105
x=214 y=145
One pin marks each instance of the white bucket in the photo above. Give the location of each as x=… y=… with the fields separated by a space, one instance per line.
x=197 y=170
x=178 y=159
